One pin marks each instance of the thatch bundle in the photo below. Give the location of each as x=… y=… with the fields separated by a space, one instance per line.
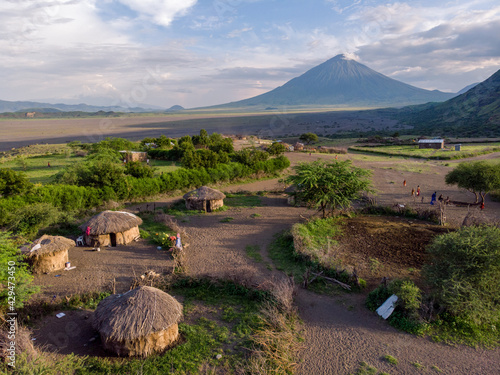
x=112 y=228
x=139 y=322
x=49 y=253
x=205 y=199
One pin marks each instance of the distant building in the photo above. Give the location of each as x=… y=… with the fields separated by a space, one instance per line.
x=437 y=143
x=134 y=156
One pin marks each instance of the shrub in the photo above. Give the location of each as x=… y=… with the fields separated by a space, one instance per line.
x=138 y=170
x=410 y=296
x=13 y=183
x=13 y=267
x=464 y=273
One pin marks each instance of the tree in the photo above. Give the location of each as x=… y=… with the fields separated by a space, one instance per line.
x=328 y=186
x=478 y=177
x=309 y=137
x=464 y=273
x=13 y=183
x=276 y=148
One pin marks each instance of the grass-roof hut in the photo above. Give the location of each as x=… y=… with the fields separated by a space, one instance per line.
x=204 y=199
x=48 y=253
x=111 y=228
x=139 y=322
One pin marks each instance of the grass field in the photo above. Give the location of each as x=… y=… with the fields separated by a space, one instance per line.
x=37 y=167
x=444 y=154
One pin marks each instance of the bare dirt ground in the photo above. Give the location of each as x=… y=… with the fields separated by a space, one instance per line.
x=339 y=332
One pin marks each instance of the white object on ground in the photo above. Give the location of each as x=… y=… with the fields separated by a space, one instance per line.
x=36 y=247
x=60 y=315
x=69 y=268
x=159 y=247
x=386 y=309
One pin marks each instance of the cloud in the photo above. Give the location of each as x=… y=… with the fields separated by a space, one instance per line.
x=161 y=12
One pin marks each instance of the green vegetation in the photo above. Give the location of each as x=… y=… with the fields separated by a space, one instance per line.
x=390 y=359
x=479 y=178
x=242 y=200
x=276 y=148
x=405 y=316
x=468 y=151
x=227 y=219
x=287 y=258
x=328 y=186
x=308 y=137
x=366 y=369
x=14 y=276
x=37 y=168
x=461 y=276
x=253 y=252
x=102 y=177
x=314 y=238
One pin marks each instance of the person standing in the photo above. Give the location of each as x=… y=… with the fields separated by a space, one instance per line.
x=412 y=192
x=418 y=190
x=433 y=198
x=404 y=183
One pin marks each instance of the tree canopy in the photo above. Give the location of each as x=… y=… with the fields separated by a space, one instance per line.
x=478 y=177
x=464 y=273
x=328 y=186
x=308 y=137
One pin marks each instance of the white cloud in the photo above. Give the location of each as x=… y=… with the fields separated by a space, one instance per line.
x=161 y=12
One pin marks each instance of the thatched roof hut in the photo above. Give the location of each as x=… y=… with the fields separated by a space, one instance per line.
x=48 y=253
x=139 y=322
x=204 y=199
x=111 y=228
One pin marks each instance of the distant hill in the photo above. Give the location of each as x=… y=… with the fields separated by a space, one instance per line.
x=342 y=82
x=474 y=113
x=175 y=108
x=8 y=106
x=467 y=88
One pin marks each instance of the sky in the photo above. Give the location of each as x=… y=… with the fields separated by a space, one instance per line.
x=197 y=53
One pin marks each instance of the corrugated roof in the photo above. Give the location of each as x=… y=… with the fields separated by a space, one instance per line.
x=431 y=141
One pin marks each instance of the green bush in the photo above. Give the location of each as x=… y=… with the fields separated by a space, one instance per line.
x=410 y=296
x=464 y=273
x=28 y=220
x=13 y=183
x=138 y=170
x=13 y=270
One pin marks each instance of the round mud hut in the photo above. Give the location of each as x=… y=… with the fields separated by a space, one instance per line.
x=48 y=253
x=204 y=199
x=111 y=228
x=139 y=322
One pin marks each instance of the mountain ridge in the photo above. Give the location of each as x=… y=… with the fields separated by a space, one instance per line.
x=341 y=81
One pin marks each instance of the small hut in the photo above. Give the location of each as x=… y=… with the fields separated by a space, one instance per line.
x=111 y=228
x=204 y=199
x=48 y=253
x=139 y=322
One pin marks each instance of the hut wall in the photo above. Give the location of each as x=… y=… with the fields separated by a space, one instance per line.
x=143 y=346
x=195 y=204
x=94 y=240
x=128 y=236
x=215 y=204
x=122 y=238
x=48 y=262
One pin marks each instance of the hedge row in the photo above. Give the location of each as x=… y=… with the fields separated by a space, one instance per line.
x=73 y=198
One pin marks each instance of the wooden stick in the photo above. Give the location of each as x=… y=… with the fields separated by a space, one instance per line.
x=345 y=286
